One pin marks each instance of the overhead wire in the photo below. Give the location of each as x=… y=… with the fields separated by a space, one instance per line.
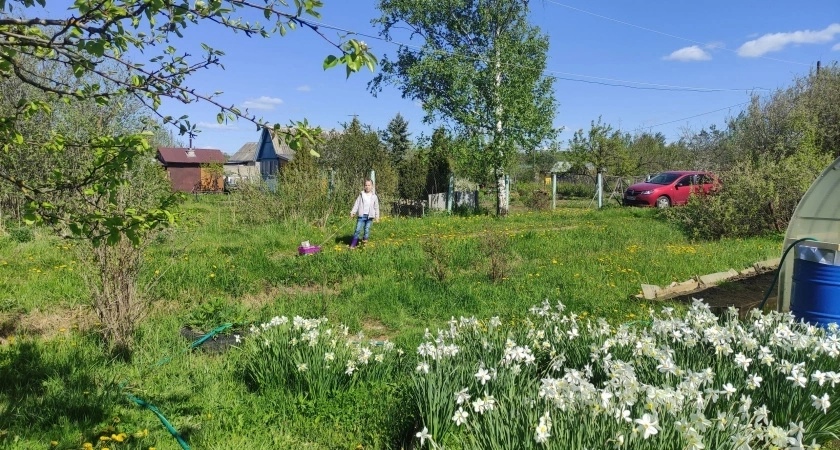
x=561 y=75
x=601 y=16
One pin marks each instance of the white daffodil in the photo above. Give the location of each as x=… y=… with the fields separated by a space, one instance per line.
x=460 y=417
x=423 y=435
x=483 y=376
x=648 y=425
x=821 y=403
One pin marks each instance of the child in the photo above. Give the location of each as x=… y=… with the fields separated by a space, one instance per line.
x=367 y=207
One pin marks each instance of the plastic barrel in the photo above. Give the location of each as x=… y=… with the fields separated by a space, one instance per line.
x=815 y=292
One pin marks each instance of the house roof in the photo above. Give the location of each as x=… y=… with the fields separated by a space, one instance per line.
x=190 y=155
x=250 y=150
x=247 y=152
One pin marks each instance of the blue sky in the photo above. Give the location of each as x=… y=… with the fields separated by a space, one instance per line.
x=661 y=66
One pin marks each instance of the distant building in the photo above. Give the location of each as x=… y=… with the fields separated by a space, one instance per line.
x=186 y=168
x=260 y=160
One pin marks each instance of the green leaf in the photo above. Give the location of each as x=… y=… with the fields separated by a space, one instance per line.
x=330 y=62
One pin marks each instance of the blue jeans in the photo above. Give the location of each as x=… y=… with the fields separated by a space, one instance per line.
x=363 y=222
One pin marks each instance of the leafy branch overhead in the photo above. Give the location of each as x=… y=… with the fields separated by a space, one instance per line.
x=96 y=36
x=103 y=53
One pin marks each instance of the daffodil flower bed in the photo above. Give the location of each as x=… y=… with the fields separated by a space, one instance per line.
x=309 y=357
x=555 y=381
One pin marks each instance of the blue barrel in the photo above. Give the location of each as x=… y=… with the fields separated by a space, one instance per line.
x=815 y=292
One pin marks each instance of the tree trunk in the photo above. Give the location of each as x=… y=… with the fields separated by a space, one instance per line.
x=502 y=201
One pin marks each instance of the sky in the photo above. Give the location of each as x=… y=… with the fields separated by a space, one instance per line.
x=661 y=66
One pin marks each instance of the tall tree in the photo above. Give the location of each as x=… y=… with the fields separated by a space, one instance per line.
x=481 y=67
x=396 y=139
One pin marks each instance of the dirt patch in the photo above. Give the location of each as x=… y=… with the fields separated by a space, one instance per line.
x=743 y=292
x=375 y=330
x=46 y=324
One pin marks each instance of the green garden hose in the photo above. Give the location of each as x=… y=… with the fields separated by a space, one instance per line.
x=163 y=361
x=779 y=270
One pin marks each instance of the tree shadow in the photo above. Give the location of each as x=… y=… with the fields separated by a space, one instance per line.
x=42 y=388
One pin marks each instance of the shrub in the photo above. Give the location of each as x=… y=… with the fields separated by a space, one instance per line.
x=494 y=246
x=437 y=257
x=21 y=234
x=577 y=190
x=755 y=198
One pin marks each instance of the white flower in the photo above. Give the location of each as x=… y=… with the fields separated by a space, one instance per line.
x=743 y=361
x=798 y=378
x=821 y=403
x=302 y=367
x=237 y=338
x=648 y=426
x=761 y=415
x=543 y=431
x=423 y=435
x=329 y=356
x=462 y=396
x=754 y=381
x=460 y=417
x=423 y=368
x=483 y=376
x=819 y=377
x=728 y=389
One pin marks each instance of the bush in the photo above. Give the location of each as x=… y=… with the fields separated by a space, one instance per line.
x=577 y=190
x=755 y=199
x=533 y=195
x=21 y=234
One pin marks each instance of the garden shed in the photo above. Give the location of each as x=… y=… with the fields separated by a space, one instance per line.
x=190 y=170
x=817 y=216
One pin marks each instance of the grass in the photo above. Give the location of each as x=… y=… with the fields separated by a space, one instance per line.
x=214 y=268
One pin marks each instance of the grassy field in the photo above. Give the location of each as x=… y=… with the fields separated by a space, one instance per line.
x=59 y=391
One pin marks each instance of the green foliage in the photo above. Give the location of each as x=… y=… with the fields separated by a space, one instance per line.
x=21 y=234
x=461 y=74
x=576 y=190
x=603 y=148
x=352 y=154
x=438 y=258
x=535 y=196
x=754 y=199
x=495 y=249
x=209 y=314
x=395 y=138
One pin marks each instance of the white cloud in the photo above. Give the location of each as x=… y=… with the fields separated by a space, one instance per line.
x=304 y=88
x=264 y=102
x=693 y=53
x=836 y=47
x=774 y=42
x=216 y=126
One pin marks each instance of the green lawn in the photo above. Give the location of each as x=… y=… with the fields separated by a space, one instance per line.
x=414 y=274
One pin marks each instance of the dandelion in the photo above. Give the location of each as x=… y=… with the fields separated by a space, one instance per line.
x=460 y=417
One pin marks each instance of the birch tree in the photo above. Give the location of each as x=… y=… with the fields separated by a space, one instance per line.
x=479 y=67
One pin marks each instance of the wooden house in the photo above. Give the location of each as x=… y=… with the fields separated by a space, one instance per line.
x=189 y=168
x=261 y=159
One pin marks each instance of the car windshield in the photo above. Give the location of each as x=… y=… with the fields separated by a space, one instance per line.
x=664 y=178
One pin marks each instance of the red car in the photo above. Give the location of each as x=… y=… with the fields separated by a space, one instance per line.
x=670 y=188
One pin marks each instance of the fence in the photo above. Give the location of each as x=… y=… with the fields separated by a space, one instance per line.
x=460 y=199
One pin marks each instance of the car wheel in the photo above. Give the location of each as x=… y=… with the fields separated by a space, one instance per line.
x=663 y=202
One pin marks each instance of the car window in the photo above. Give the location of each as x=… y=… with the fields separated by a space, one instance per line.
x=664 y=178
x=685 y=181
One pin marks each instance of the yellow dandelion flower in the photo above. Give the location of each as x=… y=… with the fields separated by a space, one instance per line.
x=87 y=446
x=54 y=443
x=104 y=438
x=212 y=275
x=119 y=437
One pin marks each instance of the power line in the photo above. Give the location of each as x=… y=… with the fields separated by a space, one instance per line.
x=630 y=84
x=691 y=117
x=662 y=32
